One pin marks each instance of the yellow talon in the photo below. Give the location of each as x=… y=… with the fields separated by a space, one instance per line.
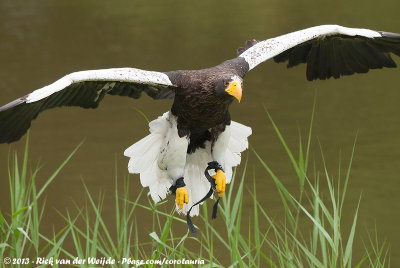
x=182 y=195
x=220 y=181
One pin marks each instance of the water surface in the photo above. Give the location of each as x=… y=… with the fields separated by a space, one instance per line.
x=42 y=41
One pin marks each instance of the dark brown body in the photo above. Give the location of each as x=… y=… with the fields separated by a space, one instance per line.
x=202 y=109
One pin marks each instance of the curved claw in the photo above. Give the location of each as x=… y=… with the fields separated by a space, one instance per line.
x=220 y=181
x=182 y=196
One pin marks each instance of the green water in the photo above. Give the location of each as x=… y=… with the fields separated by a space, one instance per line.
x=44 y=40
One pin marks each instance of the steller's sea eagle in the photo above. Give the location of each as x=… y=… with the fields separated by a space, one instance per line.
x=198 y=128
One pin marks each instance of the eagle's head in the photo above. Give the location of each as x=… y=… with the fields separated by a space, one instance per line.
x=230 y=86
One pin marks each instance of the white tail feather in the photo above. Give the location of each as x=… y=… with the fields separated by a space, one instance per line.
x=144 y=156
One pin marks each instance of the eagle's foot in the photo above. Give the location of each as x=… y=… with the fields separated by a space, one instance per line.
x=220 y=182
x=179 y=189
x=182 y=196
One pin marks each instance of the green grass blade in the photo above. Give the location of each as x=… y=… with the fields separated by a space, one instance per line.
x=349 y=245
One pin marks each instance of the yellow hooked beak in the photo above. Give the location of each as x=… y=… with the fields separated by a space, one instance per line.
x=235 y=89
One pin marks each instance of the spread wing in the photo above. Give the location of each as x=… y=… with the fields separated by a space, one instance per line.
x=85 y=89
x=328 y=50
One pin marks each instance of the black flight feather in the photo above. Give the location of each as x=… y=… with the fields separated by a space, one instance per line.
x=338 y=55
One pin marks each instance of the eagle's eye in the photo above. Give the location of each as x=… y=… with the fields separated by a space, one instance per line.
x=226 y=83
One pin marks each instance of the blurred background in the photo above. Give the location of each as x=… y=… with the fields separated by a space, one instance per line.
x=43 y=40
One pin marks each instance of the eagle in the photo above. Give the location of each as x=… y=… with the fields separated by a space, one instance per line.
x=198 y=129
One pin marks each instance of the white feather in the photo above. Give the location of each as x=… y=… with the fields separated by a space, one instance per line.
x=195 y=180
x=146 y=155
x=173 y=151
x=114 y=74
x=269 y=48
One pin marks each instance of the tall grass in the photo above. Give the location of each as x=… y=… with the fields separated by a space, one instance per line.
x=20 y=237
x=310 y=234
x=326 y=245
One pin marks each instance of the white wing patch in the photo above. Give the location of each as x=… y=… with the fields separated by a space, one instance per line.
x=269 y=48
x=115 y=74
